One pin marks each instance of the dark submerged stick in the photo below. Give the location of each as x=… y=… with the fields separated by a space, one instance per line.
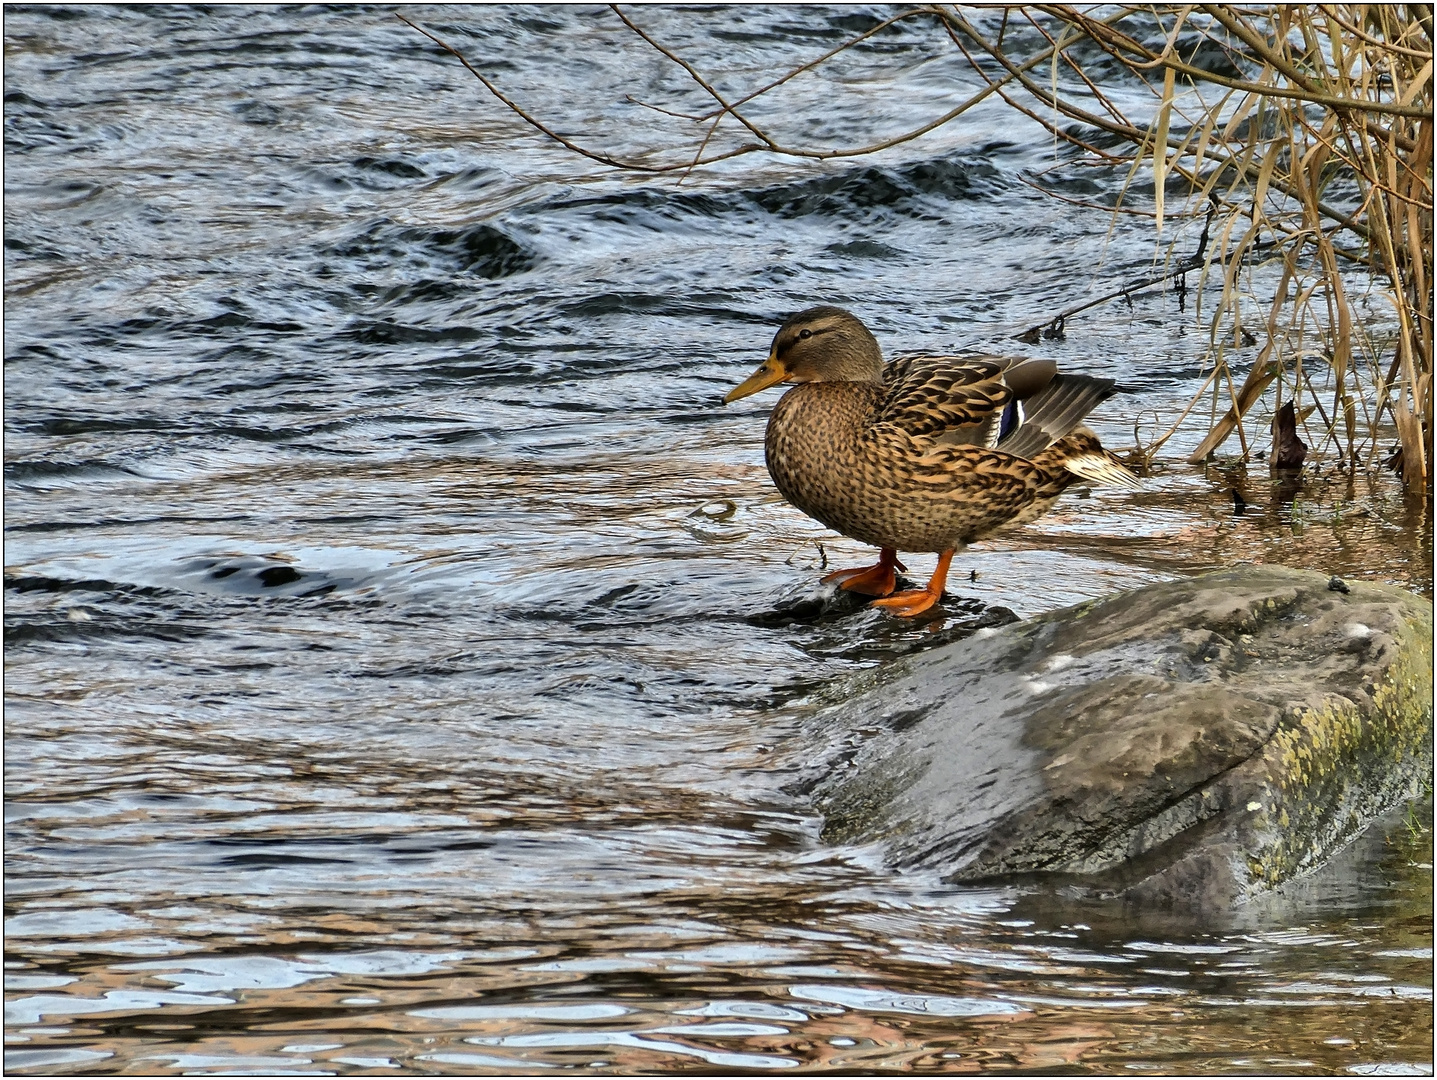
x=1054 y=327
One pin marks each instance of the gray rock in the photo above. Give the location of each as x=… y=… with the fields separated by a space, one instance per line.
x=1192 y=743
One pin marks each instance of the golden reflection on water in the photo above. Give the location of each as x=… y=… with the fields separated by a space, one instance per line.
x=1018 y=995
x=365 y=1024
x=1186 y=521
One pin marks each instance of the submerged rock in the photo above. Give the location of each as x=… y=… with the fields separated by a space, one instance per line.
x=1195 y=742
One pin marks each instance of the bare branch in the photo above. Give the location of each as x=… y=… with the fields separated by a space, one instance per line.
x=747 y=148
x=667 y=112
x=758 y=132
x=811 y=64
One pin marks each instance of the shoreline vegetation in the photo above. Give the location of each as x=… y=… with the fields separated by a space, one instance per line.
x=1301 y=135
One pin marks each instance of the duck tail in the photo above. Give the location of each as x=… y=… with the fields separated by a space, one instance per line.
x=1082 y=455
x=1105 y=469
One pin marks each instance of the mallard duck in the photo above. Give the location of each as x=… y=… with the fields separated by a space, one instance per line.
x=926 y=453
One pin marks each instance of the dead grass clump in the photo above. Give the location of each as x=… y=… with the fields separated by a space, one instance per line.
x=1309 y=128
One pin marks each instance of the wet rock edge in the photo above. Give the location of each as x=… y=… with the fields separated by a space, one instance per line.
x=1289 y=763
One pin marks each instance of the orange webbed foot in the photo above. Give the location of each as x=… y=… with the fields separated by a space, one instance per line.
x=876 y=580
x=909 y=603
x=917 y=601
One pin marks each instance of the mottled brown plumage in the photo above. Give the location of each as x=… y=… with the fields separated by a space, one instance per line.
x=920 y=454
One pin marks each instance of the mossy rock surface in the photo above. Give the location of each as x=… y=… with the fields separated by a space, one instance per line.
x=1191 y=743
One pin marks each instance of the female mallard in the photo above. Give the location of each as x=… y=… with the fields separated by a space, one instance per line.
x=928 y=453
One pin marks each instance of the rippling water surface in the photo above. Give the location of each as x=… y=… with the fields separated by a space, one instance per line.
x=388 y=680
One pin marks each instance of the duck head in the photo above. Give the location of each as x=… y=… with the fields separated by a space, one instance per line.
x=822 y=344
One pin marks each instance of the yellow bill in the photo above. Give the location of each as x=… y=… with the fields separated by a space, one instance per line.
x=768 y=373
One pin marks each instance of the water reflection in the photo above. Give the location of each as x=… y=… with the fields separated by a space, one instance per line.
x=1325 y=520
x=1001 y=987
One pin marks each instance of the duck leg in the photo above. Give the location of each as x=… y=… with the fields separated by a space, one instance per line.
x=875 y=580
x=917 y=601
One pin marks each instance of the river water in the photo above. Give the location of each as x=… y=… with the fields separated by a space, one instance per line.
x=388 y=680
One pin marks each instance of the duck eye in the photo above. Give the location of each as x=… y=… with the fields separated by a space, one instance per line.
x=805 y=334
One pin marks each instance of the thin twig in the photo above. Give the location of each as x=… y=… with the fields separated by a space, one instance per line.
x=808 y=66
x=748 y=148
x=1084 y=202
x=699 y=153
x=667 y=112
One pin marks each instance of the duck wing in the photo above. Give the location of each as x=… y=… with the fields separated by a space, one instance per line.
x=1052 y=412
x=959 y=400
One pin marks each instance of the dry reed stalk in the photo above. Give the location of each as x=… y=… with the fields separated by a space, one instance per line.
x=1327 y=95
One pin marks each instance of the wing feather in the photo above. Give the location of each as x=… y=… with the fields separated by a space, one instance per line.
x=1055 y=410
x=945 y=398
